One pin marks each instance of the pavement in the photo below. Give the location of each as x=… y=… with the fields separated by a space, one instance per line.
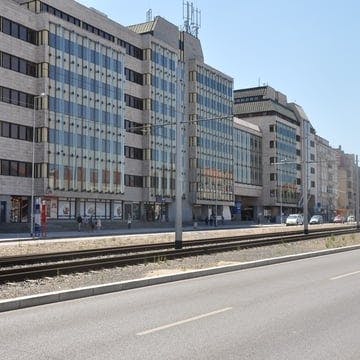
x=137 y=229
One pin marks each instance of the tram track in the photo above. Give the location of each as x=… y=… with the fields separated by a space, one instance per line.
x=20 y=268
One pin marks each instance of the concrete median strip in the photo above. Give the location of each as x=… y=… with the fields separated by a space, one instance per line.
x=48 y=298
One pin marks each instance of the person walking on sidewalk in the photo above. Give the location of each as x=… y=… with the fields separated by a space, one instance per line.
x=129 y=221
x=79 y=221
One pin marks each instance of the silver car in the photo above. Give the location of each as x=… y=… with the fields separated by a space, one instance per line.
x=294 y=219
x=316 y=219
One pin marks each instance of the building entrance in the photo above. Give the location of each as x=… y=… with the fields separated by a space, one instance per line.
x=2 y=211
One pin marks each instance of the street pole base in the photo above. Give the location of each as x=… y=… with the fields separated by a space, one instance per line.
x=178 y=244
x=306 y=231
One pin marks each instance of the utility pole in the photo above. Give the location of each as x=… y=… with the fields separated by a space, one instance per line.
x=305 y=176
x=178 y=162
x=357 y=192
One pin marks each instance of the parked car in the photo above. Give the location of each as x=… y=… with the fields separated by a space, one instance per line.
x=338 y=219
x=294 y=219
x=316 y=219
x=351 y=218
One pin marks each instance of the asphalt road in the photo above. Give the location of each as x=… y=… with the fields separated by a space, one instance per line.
x=306 y=309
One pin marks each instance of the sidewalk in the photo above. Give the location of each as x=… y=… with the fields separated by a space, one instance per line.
x=137 y=229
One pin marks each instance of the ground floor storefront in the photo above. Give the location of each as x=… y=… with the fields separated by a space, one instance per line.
x=17 y=209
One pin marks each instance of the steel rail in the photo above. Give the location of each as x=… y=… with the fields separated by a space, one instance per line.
x=38 y=271
x=86 y=253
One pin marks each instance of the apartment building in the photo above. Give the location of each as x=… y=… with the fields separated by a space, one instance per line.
x=309 y=160
x=327 y=179
x=346 y=191
x=101 y=101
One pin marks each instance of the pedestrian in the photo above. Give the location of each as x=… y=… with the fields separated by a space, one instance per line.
x=79 y=221
x=129 y=222
x=92 y=223
x=98 y=224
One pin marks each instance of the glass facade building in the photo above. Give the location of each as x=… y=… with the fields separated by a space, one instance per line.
x=211 y=140
x=247 y=158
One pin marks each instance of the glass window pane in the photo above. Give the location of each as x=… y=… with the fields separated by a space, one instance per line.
x=14 y=131
x=5 y=129
x=13 y=168
x=22 y=169
x=6 y=26
x=6 y=62
x=14 y=97
x=23 y=33
x=22 y=132
x=15 y=29
x=5 y=167
x=22 y=66
x=22 y=99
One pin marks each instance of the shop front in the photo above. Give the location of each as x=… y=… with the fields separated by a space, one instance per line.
x=19 y=209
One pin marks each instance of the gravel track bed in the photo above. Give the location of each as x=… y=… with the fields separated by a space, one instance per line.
x=76 y=280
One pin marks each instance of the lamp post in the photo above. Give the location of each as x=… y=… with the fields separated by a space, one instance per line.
x=33 y=165
x=357 y=192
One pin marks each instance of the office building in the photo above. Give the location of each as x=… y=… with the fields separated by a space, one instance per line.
x=281 y=147
x=102 y=101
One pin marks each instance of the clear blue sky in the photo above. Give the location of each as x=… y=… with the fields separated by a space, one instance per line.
x=307 y=49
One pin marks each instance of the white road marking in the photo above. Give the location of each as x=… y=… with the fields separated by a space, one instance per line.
x=183 y=321
x=344 y=275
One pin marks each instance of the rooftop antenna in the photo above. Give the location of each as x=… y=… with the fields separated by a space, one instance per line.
x=192 y=18
x=149 y=15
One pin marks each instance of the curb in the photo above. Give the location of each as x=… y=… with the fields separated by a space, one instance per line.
x=58 y=296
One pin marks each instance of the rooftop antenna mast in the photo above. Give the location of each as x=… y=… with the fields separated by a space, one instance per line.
x=192 y=18
x=149 y=15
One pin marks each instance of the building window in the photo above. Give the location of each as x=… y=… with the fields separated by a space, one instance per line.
x=133 y=153
x=19 y=31
x=133 y=127
x=16 y=97
x=133 y=180
x=134 y=102
x=134 y=76
x=15 y=168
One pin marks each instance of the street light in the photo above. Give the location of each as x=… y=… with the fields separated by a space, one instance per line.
x=33 y=165
x=357 y=192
